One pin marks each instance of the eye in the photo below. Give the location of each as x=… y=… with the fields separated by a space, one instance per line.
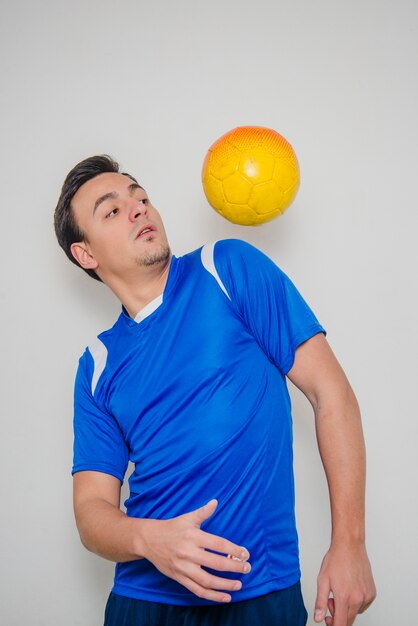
x=112 y=213
x=143 y=201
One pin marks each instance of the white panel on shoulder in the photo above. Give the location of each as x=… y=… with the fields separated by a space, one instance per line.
x=208 y=262
x=99 y=353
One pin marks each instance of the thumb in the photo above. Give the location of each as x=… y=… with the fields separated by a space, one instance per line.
x=321 y=603
x=200 y=515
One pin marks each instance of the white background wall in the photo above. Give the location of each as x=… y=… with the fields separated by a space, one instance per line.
x=154 y=84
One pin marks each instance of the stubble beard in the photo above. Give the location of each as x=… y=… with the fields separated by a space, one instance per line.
x=156 y=257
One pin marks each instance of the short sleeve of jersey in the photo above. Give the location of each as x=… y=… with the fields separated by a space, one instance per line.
x=267 y=300
x=98 y=441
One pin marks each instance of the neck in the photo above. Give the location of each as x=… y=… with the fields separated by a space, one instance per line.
x=136 y=291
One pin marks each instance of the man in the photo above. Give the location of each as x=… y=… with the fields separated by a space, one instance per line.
x=190 y=385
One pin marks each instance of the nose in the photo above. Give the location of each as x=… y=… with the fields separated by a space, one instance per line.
x=137 y=209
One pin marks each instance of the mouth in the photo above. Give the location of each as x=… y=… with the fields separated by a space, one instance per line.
x=145 y=230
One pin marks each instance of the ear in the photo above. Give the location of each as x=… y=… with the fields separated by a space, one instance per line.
x=83 y=256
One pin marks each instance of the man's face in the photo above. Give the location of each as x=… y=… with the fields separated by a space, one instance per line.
x=123 y=231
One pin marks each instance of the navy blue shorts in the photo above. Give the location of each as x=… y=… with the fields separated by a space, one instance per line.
x=280 y=608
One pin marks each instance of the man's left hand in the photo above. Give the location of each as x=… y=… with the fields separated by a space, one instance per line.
x=346 y=573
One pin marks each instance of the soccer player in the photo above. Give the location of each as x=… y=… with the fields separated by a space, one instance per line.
x=190 y=385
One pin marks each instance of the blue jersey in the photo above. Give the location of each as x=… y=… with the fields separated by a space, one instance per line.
x=193 y=392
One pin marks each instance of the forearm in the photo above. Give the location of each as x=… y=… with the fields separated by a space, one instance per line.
x=107 y=531
x=341 y=445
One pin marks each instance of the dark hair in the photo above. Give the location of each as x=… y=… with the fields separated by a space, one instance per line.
x=66 y=227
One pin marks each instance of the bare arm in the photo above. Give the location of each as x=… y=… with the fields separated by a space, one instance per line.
x=177 y=547
x=103 y=528
x=345 y=570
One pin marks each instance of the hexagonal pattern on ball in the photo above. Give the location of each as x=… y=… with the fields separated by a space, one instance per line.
x=237 y=188
x=266 y=198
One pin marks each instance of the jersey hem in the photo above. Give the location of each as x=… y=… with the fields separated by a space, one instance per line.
x=178 y=599
x=316 y=329
x=97 y=467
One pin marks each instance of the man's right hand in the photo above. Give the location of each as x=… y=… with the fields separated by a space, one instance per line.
x=177 y=546
x=180 y=549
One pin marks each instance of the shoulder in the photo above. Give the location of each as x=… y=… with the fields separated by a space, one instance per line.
x=96 y=348
x=235 y=257
x=234 y=247
x=230 y=251
x=239 y=251
x=94 y=360
x=238 y=266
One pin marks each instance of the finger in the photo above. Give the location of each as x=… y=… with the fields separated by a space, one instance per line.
x=200 y=515
x=210 y=581
x=339 y=613
x=353 y=611
x=365 y=606
x=222 y=563
x=369 y=598
x=202 y=592
x=329 y=620
x=224 y=546
x=321 y=602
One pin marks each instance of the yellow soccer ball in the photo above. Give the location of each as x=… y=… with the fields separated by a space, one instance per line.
x=250 y=175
